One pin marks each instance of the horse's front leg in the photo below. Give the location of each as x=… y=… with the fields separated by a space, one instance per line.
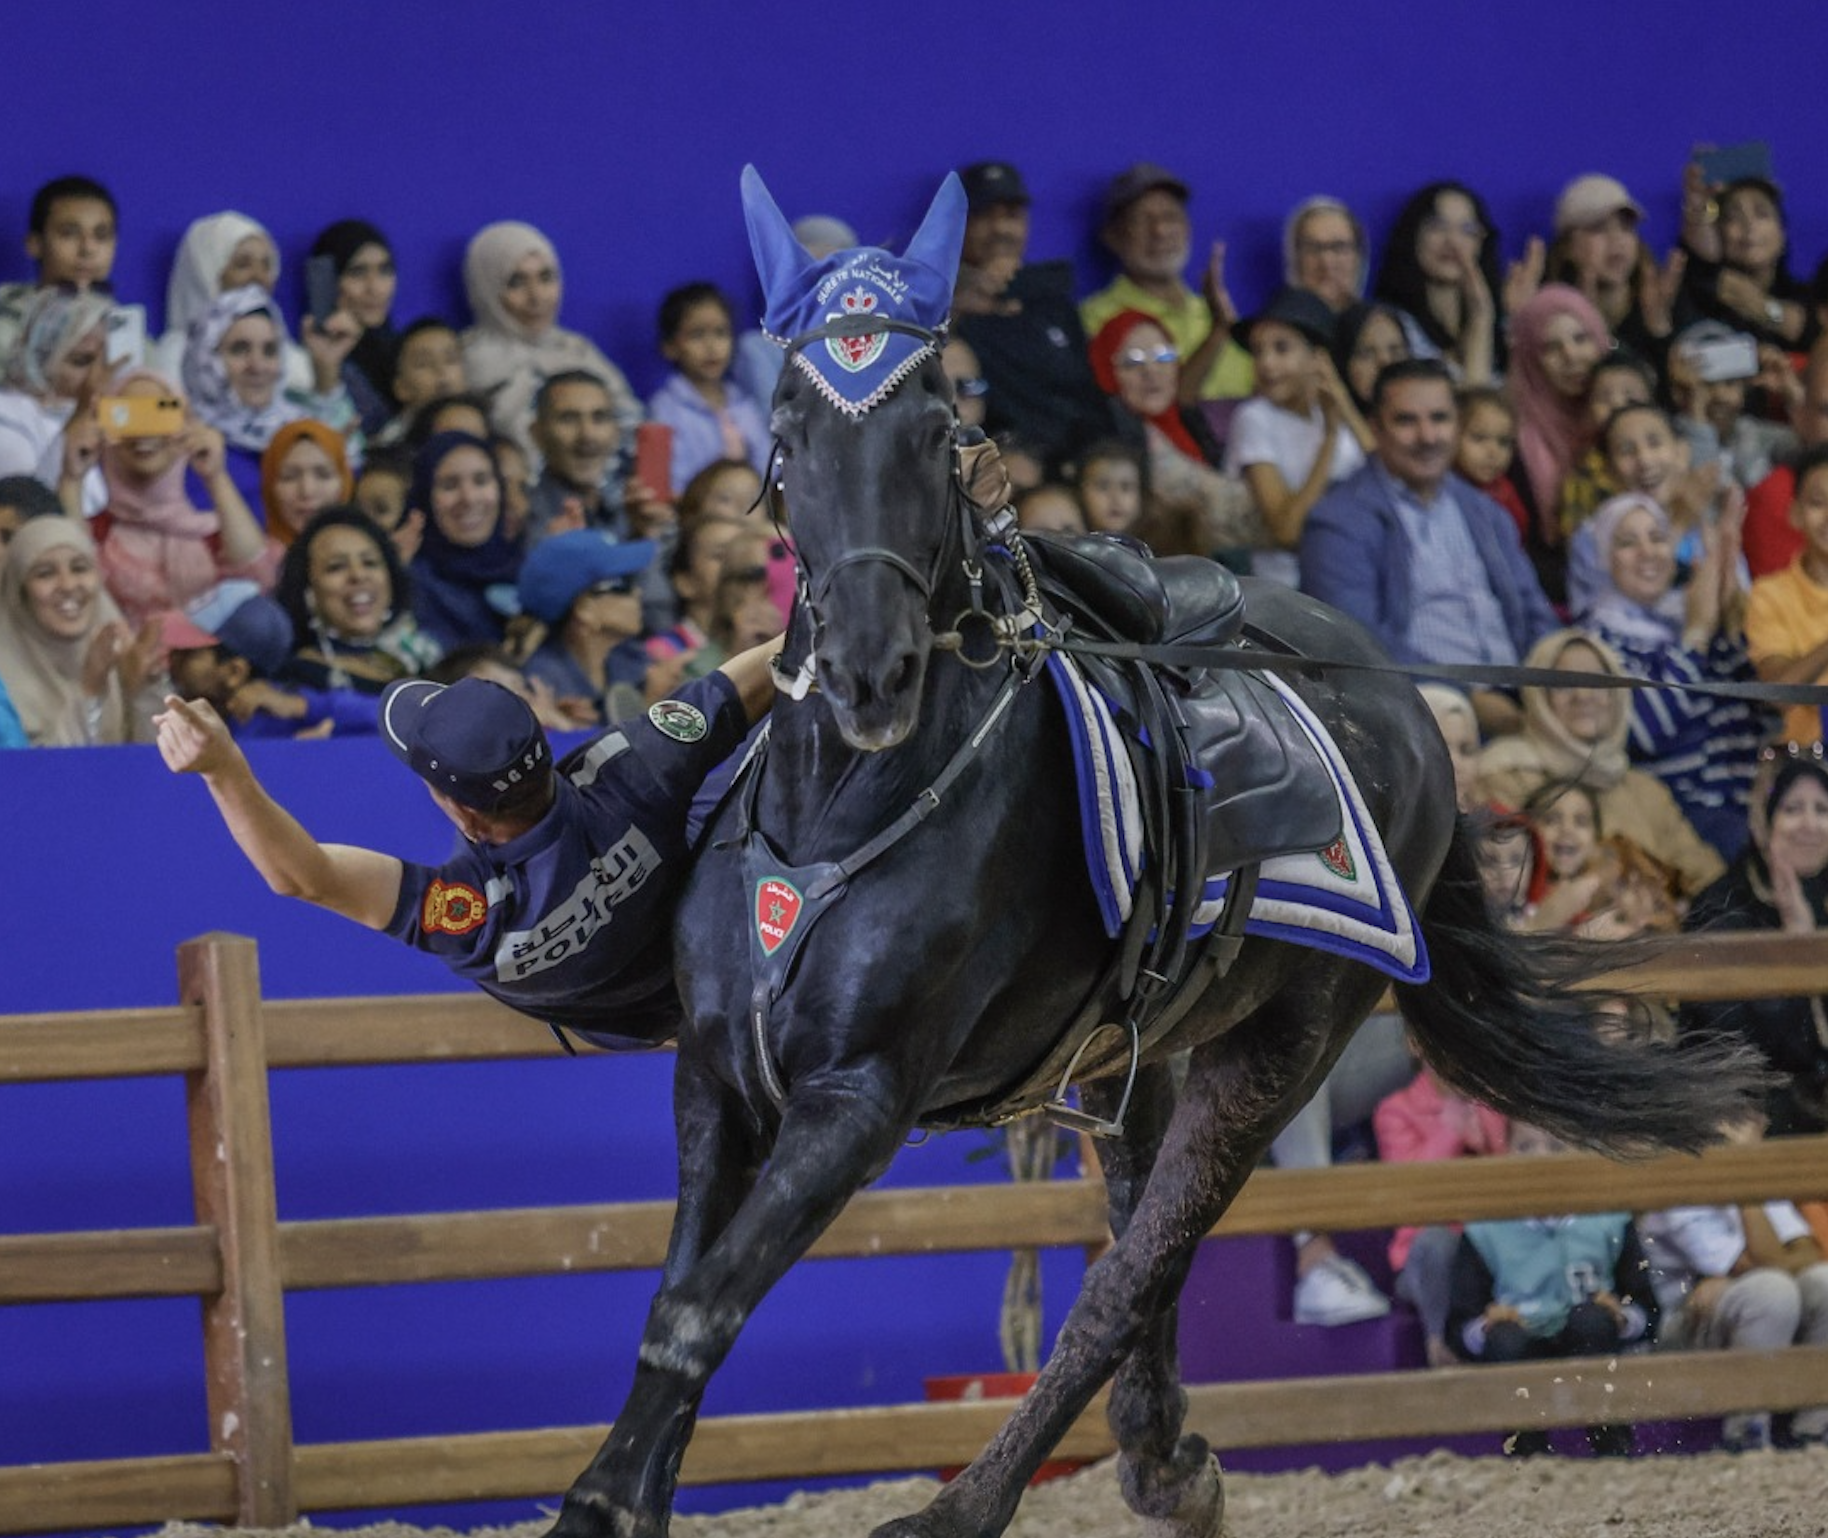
x=835 y=1135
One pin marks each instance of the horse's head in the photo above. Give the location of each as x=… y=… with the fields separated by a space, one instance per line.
x=864 y=420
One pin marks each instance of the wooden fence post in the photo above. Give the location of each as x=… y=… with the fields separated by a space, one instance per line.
x=231 y=1160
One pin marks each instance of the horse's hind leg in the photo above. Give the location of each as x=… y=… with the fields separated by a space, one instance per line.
x=1161 y=1471
x=1239 y=1090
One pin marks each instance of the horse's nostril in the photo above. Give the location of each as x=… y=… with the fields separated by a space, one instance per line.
x=900 y=678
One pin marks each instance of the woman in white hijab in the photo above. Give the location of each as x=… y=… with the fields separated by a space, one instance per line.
x=220 y=253
x=74 y=670
x=511 y=274
x=59 y=364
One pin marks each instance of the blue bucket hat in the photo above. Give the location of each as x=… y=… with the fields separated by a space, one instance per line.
x=856 y=371
x=474 y=740
x=558 y=569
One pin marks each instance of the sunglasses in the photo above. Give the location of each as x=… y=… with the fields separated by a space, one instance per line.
x=611 y=587
x=970 y=389
x=1136 y=357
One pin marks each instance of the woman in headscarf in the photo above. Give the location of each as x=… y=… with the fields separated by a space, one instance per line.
x=160 y=551
x=303 y=469
x=1557 y=339
x=1136 y=363
x=349 y=598
x=512 y=277
x=465 y=573
x=60 y=363
x=1323 y=251
x=365 y=284
x=1703 y=748
x=67 y=658
x=219 y=253
x=233 y=365
x=1578 y=734
x=1779 y=883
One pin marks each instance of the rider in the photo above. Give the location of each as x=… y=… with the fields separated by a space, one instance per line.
x=561 y=904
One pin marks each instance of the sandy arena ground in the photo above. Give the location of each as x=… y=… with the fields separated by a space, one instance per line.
x=1715 y=1495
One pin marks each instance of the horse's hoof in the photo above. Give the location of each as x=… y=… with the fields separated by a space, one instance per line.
x=593 y=1518
x=1200 y=1512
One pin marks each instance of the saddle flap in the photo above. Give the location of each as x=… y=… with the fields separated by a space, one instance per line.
x=1273 y=793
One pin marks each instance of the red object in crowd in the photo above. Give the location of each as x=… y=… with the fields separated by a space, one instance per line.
x=1771 y=542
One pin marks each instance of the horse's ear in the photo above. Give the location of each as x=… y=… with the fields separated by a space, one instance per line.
x=941 y=236
x=779 y=258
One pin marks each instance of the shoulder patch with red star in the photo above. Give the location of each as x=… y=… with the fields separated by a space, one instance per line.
x=451 y=908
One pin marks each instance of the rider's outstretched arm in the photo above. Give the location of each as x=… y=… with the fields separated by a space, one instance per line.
x=357 y=883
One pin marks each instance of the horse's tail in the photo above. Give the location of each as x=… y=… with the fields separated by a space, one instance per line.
x=1503 y=1020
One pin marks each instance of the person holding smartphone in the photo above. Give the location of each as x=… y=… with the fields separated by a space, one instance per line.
x=1737 y=237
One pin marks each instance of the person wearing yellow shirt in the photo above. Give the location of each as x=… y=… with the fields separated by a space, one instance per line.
x=1146 y=228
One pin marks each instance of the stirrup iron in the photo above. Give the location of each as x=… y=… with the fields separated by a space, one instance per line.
x=1058 y=1111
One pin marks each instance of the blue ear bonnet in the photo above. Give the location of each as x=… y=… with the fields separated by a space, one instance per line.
x=856 y=371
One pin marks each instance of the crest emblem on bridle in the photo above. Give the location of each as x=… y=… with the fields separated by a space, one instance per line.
x=855 y=352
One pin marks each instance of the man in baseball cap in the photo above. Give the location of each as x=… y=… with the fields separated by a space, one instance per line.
x=1144 y=224
x=1020 y=319
x=560 y=904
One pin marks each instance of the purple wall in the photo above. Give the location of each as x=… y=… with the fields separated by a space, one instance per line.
x=621 y=131
x=623 y=137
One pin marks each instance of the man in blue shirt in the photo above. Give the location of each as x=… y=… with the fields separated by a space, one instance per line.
x=561 y=903
x=1431 y=566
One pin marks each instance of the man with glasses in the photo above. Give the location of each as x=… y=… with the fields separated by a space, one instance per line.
x=1145 y=226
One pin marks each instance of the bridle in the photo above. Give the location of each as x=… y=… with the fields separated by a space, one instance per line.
x=979 y=637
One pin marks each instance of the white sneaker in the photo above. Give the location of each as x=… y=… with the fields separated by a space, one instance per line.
x=1336 y=1291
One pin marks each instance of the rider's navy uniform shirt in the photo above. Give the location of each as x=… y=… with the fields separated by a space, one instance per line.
x=571 y=922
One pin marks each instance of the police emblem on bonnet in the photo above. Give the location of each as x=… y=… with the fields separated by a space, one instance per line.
x=680 y=721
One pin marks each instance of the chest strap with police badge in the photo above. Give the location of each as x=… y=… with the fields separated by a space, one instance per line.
x=787 y=900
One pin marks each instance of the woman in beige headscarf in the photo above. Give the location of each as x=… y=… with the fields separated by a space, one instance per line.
x=511 y=274
x=1578 y=736
x=73 y=668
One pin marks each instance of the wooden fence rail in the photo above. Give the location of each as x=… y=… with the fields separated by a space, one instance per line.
x=241 y=1261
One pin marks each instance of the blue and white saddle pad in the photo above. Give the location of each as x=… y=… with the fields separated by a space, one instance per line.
x=1345 y=898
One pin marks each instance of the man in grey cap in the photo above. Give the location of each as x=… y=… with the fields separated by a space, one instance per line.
x=1021 y=321
x=1145 y=226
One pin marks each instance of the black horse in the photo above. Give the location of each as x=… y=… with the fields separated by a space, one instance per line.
x=946 y=970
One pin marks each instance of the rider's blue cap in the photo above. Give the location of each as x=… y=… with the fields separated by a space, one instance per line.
x=474 y=740
x=855 y=372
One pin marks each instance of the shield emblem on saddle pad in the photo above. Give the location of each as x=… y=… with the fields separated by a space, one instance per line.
x=856 y=352
x=777 y=910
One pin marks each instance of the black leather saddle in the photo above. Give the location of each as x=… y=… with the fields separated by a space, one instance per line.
x=1132 y=595
x=1223 y=735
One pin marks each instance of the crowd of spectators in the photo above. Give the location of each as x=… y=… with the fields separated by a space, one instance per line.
x=1596 y=458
